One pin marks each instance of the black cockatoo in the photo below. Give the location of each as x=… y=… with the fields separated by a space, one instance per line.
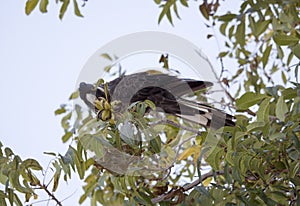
x=164 y=90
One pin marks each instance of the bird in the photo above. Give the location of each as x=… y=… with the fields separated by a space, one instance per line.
x=166 y=91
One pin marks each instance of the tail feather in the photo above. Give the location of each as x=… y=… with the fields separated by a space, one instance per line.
x=204 y=114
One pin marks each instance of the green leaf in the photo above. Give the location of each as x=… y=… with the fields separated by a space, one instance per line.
x=8 y=152
x=184 y=3
x=169 y=16
x=76 y=9
x=50 y=153
x=255 y=126
x=10 y=196
x=17 y=201
x=283 y=77
x=266 y=55
x=279 y=52
x=93 y=143
x=214 y=158
x=240 y=34
x=166 y=8
x=56 y=176
x=66 y=137
x=227 y=17
x=15 y=182
x=63 y=8
x=289 y=93
x=284 y=40
x=43 y=6
x=296 y=107
x=155 y=144
x=277 y=136
x=296 y=50
x=281 y=109
x=294 y=168
x=248 y=99
x=222 y=54
x=261 y=27
x=263 y=111
x=32 y=164
x=60 y=111
x=74 y=95
x=157 y=1
x=229 y=157
x=65 y=121
x=252 y=24
x=290 y=57
x=143 y=198
x=3 y=201
x=223 y=28
x=176 y=10
x=127 y=134
x=78 y=162
x=30 y=5
x=230 y=32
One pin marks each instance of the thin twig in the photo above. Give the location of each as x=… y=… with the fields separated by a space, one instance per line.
x=232 y=100
x=37 y=202
x=69 y=195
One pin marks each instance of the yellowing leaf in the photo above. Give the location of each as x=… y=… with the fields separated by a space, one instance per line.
x=196 y=154
x=207 y=181
x=186 y=153
x=204 y=11
x=194 y=150
x=106 y=56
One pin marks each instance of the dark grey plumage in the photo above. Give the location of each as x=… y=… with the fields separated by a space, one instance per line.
x=164 y=91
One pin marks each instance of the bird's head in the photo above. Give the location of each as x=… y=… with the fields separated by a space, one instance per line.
x=98 y=99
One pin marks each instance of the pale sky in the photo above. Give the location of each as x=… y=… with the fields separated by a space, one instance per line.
x=42 y=56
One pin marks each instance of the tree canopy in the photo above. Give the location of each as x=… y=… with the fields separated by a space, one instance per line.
x=257 y=162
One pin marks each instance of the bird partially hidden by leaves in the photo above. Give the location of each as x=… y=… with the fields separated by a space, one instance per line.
x=165 y=91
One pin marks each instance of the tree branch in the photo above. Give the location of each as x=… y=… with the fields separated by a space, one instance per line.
x=173 y=193
x=51 y=195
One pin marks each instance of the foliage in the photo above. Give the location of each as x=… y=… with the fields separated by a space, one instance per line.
x=43 y=5
x=257 y=162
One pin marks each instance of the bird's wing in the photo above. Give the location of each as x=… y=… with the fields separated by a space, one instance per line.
x=131 y=84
